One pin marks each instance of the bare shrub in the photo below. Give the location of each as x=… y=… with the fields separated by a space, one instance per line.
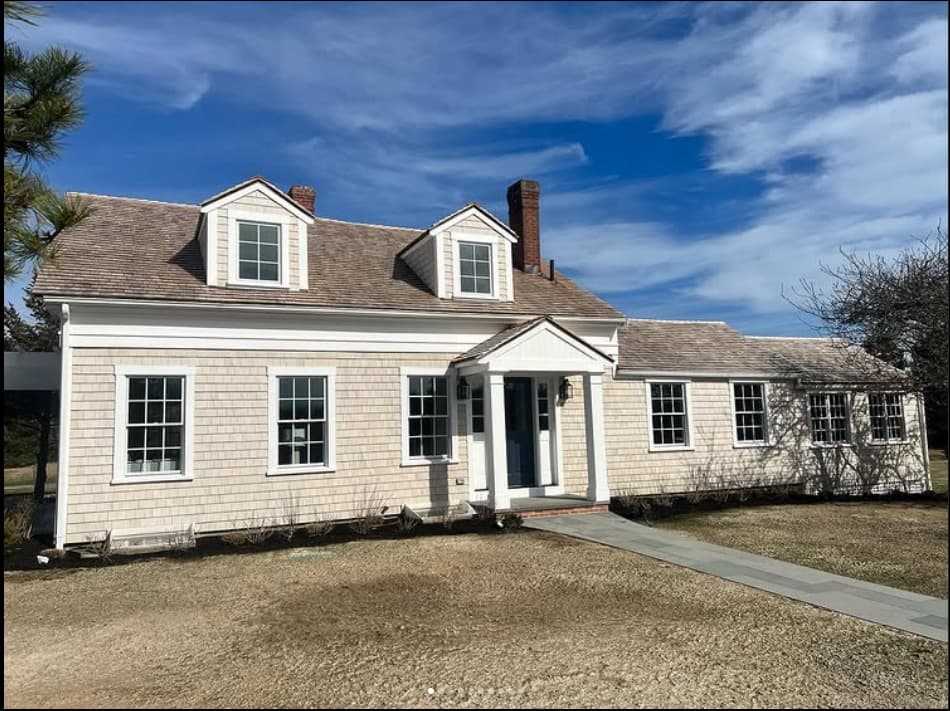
x=252 y=532
x=369 y=512
x=291 y=517
x=484 y=512
x=17 y=524
x=448 y=518
x=627 y=498
x=101 y=547
x=318 y=528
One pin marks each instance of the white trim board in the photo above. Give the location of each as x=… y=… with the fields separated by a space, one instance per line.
x=122 y=374
x=690 y=444
x=448 y=373
x=281 y=199
x=274 y=372
x=65 y=412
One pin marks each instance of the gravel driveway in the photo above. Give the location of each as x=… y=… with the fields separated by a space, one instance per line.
x=526 y=619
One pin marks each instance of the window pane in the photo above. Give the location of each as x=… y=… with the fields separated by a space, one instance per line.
x=247 y=231
x=467 y=251
x=415 y=385
x=285 y=410
x=316 y=453
x=300 y=409
x=467 y=269
x=467 y=284
x=301 y=387
x=285 y=387
x=268 y=253
x=154 y=436
x=283 y=454
x=156 y=388
x=173 y=388
x=247 y=270
x=173 y=436
x=136 y=412
x=268 y=272
x=137 y=388
x=172 y=412
x=482 y=269
x=248 y=251
x=483 y=286
x=136 y=437
x=268 y=234
x=316 y=409
x=155 y=412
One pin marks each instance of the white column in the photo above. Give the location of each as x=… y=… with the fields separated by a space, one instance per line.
x=495 y=419
x=597 y=487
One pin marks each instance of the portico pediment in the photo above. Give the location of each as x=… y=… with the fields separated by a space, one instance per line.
x=538 y=346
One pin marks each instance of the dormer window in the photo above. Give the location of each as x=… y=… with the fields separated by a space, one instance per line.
x=259 y=252
x=475 y=269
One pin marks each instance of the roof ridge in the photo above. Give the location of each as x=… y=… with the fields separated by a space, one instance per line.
x=793 y=338
x=671 y=320
x=132 y=199
x=370 y=224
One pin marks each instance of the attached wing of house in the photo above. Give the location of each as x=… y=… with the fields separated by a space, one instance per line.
x=224 y=361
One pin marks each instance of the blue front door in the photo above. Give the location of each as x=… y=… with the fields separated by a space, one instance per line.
x=519 y=429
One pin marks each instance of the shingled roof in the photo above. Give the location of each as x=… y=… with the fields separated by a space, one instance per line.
x=147 y=250
x=689 y=346
x=713 y=348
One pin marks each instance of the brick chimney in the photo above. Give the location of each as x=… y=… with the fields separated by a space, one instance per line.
x=523 y=200
x=303 y=195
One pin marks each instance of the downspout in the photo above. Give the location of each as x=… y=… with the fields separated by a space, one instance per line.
x=65 y=405
x=924 y=445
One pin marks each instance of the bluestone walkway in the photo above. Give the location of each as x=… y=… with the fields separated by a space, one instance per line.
x=920 y=614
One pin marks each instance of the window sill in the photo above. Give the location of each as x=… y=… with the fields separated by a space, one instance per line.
x=428 y=462
x=477 y=297
x=258 y=284
x=150 y=478
x=886 y=442
x=291 y=471
x=751 y=445
x=832 y=445
x=657 y=449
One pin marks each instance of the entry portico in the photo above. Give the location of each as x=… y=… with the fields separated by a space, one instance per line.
x=517 y=382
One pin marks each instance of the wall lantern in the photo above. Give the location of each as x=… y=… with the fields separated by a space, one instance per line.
x=463 y=391
x=565 y=390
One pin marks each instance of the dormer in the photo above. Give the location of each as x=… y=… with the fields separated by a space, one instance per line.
x=255 y=235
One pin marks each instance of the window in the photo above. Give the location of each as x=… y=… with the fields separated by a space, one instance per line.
x=258 y=251
x=477 y=399
x=668 y=417
x=428 y=416
x=544 y=415
x=154 y=425
x=750 y=417
x=475 y=270
x=887 y=417
x=301 y=420
x=828 y=413
x=153 y=431
x=301 y=416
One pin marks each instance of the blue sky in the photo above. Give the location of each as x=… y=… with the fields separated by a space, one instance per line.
x=695 y=160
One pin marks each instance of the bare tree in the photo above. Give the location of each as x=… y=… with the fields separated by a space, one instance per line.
x=895 y=309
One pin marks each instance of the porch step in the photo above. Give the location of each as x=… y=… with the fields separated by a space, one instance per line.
x=593 y=508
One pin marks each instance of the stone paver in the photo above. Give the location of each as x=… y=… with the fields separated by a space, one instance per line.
x=904 y=610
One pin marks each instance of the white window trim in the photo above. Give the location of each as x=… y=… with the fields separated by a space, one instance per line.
x=885 y=442
x=458 y=237
x=688 y=446
x=284 y=222
x=847 y=407
x=119 y=455
x=736 y=443
x=452 y=457
x=273 y=372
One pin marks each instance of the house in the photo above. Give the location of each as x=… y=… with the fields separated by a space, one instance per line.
x=226 y=361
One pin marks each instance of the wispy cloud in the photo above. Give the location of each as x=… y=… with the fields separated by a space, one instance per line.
x=838 y=110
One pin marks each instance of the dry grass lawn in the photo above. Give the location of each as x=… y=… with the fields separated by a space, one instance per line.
x=521 y=620
x=900 y=544
x=19 y=480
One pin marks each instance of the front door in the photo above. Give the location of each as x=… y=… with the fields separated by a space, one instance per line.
x=519 y=429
